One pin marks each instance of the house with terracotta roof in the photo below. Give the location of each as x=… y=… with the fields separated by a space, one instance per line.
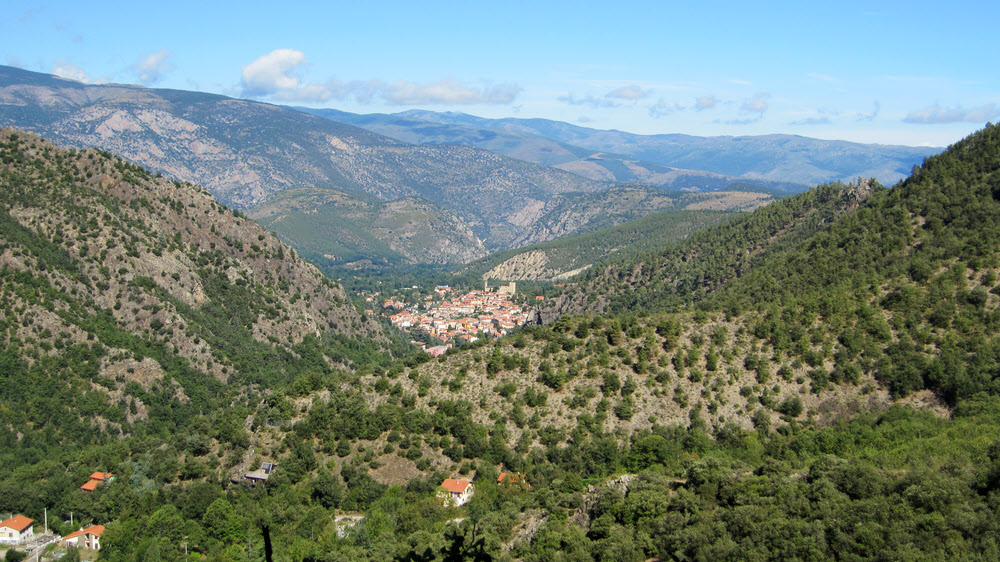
x=96 y=479
x=512 y=478
x=16 y=530
x=85 y=538
x=456 y=492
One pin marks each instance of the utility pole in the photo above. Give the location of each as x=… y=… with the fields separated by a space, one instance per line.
x=46 y=510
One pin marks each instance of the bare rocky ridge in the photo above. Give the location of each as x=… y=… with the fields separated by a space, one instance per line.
x=529 y=265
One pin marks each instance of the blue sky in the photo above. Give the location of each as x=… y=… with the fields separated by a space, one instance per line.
x=914 y=73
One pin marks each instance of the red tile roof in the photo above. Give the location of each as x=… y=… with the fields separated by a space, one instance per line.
x=511 y=477
x=92 y=530
x=18 y=522
x=455 y=486
x=90 y=486
x=101 y=476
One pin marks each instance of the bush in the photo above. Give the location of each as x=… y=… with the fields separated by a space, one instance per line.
x=792 y=406
x=625 y=408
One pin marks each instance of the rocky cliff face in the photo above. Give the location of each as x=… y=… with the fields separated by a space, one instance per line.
x=530 y=265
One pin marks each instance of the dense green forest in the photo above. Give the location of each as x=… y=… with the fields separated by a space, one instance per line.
x=666 y=279
x=814 y=381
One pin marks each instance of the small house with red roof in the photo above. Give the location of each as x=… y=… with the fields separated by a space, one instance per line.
x=511 y=478
x=85 y=538
x=96 y=479
x=456 y=492
x=16 y=530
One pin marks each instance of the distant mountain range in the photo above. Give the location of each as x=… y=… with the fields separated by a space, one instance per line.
x=670 y=160
x=444 y=191
x=244 y=152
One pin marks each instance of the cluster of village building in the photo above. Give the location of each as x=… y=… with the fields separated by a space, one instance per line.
x=466 y=317
x=19 y=531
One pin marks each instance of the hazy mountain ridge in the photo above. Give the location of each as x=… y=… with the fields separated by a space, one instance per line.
x=426 y=128
x=244 y=152
x=781 y=158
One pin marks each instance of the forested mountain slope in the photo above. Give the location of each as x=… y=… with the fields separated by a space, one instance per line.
x=523 y=143
x=920 y=260
x=562 y=258
x=127 y=297
x=331 y=227
x=845 y=409
x=820 y=314
x=666 y=278
x=578 y=213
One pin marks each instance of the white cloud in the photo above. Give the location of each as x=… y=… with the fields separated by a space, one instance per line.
x=630 y=93
x=756 y=104
x=871 y=116
x=272 y=73
x=934 y=114
x=66 y=69
x=823 y=116
x=662 y=108
x=819 y=120
x=151 y=68
x=448 y=91
x=740 y=82
x=747 y=121
x=705 y=102
x=591 y=101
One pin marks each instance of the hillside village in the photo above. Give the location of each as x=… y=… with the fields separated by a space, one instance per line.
x=17 y=532
x=460 y=318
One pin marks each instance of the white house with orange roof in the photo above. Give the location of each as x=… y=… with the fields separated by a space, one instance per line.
x=85 y=538
x=16 y=530
x=456 y=492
